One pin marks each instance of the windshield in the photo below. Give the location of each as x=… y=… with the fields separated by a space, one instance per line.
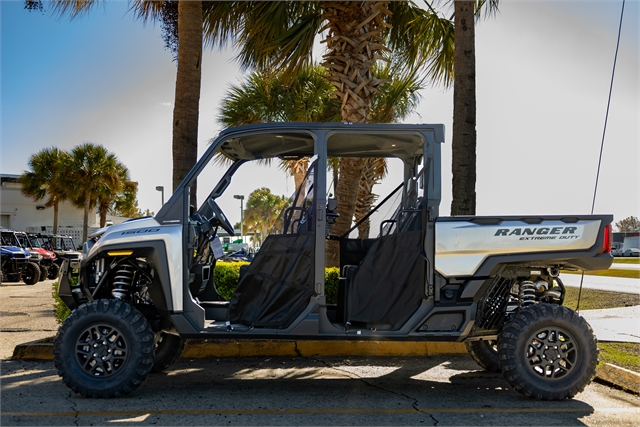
x=24 y=241
x=35 y=242
x=63 y=243
x=9 y=239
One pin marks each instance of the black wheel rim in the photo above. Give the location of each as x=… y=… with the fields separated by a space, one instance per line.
x=552 y=353
x=101 y=350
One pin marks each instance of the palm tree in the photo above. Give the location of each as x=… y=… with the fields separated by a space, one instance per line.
x=279 y=35
x=463 y=163
x=270 y=97
x=188 y=26
x=45 y=179
x=263 y=209
x=93 y=169
x=126 y=202
x=118 y=194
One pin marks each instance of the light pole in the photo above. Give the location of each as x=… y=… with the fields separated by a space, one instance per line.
x=160 y=188
x=241 y=198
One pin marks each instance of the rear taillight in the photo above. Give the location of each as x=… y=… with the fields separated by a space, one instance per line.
x=606 y=242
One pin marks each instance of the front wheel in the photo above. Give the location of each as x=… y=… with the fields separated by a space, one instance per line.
x=485 y=354
x=31 y=273
x=104 y=349
x=54 y=269
x=548 y=352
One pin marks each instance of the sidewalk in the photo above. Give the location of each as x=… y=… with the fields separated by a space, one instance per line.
x=622 y=266
x=604 y=283
x=615 y=324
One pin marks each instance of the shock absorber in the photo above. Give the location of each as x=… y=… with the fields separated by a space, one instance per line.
x=122 y=281
x=527 y=293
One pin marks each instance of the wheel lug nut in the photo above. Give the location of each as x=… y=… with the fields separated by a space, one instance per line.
x=95 y=354
x=546 y=347
x=95 y=345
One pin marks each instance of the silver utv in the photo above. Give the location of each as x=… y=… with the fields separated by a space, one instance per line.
x=146 y=285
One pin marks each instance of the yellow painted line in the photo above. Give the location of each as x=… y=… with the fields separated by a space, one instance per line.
x=312 y=411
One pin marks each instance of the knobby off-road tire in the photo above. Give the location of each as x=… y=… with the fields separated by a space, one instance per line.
x=54 y=269
x=485 y=354
x=31 y=273
x=104 y=349
x=168 y=349
x=44 y=272
x=548 y=352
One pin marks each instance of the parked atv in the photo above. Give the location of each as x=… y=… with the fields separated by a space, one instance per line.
x=16 y=261
x=63 y=247
x=48 y=257
x=492 y=282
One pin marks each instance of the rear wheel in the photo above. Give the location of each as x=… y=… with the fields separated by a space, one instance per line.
x=54 y=269
x=168 y=349
x=31 y=273
x=104 y=349
x=548 y=352
x=485 y=353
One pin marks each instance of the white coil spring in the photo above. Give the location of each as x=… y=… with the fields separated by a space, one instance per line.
x=527 y=293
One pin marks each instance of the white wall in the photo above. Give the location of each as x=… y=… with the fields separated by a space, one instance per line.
x=631 y=242
x=20 y=213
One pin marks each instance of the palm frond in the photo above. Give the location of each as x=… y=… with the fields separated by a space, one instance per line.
x=424 y=40
x=73 y=8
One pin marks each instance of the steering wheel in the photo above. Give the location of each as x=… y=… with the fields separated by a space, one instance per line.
x=221 y=218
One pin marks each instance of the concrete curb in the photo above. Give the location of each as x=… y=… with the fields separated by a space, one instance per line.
x=198 y=350
x=620 y=377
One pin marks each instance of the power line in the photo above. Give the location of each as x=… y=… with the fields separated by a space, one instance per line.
x=604 y=132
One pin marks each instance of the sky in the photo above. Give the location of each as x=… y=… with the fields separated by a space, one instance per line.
x=543 y=76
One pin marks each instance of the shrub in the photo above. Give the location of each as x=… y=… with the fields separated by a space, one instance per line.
x=60 y=310
x=226 y=276
x=331 y=280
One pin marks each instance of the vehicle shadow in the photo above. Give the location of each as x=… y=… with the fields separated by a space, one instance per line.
x=448 y=390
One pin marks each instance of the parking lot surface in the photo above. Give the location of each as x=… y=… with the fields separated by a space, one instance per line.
x=426 y=390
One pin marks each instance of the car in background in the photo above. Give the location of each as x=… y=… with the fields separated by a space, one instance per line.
x=631 y=252
x=617 y=252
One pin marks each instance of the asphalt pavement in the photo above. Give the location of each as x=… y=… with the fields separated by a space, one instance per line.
x=320 y=390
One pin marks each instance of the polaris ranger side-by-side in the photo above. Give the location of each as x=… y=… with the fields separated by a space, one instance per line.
x=491 y=282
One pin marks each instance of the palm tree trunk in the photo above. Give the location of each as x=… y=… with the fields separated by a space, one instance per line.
x=374 y=169
x=185 y=111
x=85 y=218
x=103 y=216
x=55 y=217
x=354 y=44
x=464 y=112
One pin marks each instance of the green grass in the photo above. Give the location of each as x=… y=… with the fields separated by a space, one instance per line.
x=623 y=354
x=621 y=260
x=592 y=299
x=612 y=272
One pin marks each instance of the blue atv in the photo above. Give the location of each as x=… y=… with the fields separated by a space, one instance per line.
x=16 y=264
